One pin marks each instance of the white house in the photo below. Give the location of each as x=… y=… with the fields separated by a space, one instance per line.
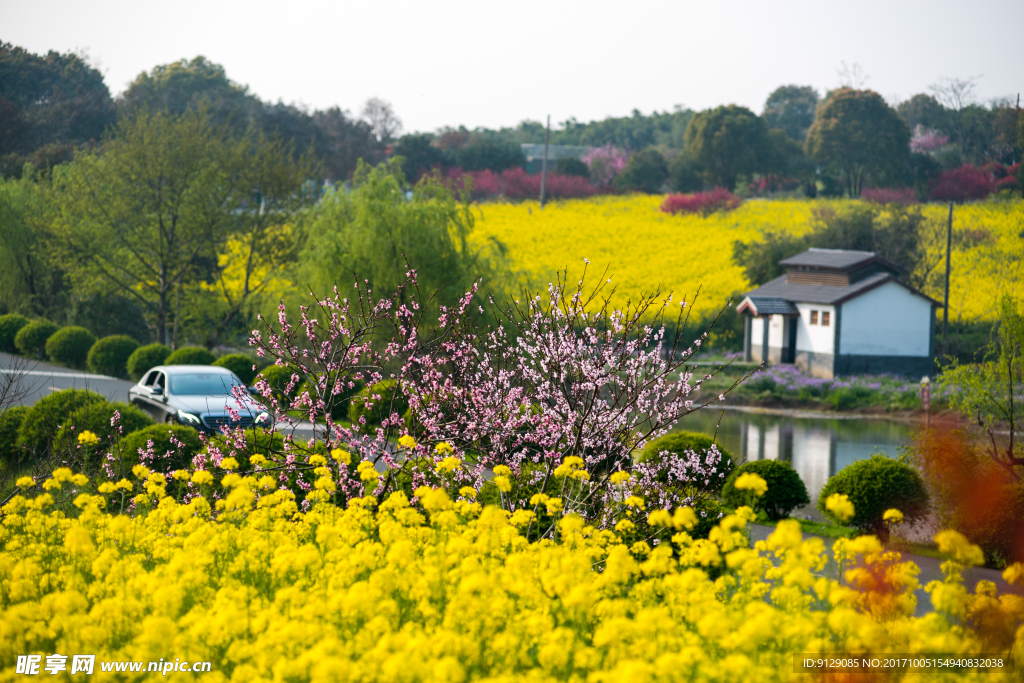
x=839 y=312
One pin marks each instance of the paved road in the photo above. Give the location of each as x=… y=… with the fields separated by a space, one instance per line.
x=930 y=570
x=39 y=379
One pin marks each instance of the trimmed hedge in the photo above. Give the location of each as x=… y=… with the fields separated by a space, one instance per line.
x=238 y=363
x=190 y=355
x=391 y=400
x=680 y=442
x=874 y=486
x=161 y=435
x=786 y=490
x=10 y=422
x=109 y=356
x=96 y=417
x=70 y=346
x=144 y=358
x=10 y=325
x=31 y=339
x=44 y=419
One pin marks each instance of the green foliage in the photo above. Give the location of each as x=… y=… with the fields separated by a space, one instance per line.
x=786 y=491
x=146 y=357
x=257 y=441
x=109 y=356
x=10 y=422
x=684 y=175
x=858 y=136
x=161 y=435
x=760 y=259
x=727 y=142
x=709 y=514
x=372 y=230
x=70 y=346
x=680 y=442
x=646 y=171
x=875 y=485
x=10 y=324
x=190 y=355
x=493 y=154
x=43 y=420
x=96 y=417
x=988 y=393
x=278 y=377
x=238 y=363
x=572 y=166
x=419 y=155
x=790 y=108
x=376 y=402
x=31 y=339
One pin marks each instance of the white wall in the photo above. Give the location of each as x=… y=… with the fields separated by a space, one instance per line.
x=817 y=338
x=887 y=321
x=775 y=331
x=756 y=335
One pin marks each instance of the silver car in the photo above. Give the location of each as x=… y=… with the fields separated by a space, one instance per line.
x=199 y=396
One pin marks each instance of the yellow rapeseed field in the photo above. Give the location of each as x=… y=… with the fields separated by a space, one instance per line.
x=647 y=250
x=448 y=590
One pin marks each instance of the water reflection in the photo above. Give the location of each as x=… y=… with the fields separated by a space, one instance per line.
x=817 y=448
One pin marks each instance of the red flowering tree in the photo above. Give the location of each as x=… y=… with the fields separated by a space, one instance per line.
x=962 y=184
x=703 y=203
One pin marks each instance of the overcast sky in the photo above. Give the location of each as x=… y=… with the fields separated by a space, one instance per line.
x=496 y=63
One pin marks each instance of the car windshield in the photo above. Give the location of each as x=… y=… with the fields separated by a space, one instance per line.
x=203 y=384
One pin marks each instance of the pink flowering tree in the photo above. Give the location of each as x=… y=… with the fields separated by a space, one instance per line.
x=926 y=140
x=605 y=163
x=555 y=396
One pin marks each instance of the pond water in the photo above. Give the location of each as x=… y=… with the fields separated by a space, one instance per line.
x=816 y=447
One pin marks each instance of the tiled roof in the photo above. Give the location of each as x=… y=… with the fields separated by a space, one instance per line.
x=824 y=294
x=839 y=259
x=767 y=305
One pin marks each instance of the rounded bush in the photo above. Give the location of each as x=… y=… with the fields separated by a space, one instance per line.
x=167 y=456
x=96 y=418
x=339 y=402
x=44 y=419
x=786 y=490
x=874 y=486
x=190 y=355
x=10 y=421
x=681 y=442
x=10 y=324
x=109 y=356
x=31 y=339
x=70 y=346
x=238 y=363
x=144 y=358
x=374 y=410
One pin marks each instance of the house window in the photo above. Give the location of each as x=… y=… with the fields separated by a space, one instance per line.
x=814 y=317
x=824 y=318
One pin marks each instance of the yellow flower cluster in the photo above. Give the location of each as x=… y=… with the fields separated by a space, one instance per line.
x=647 y=250
x=443 y=591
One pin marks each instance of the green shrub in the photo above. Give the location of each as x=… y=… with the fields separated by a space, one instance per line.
x=145 y=358
x=709 y=514
x=240 y=364
x=679 y=443
x=96 y=417
x=31 y=339
x=43 y=420
x=70 y=346
x=786 y=490
x=257 y=440
x=874 y=486
x=391 y=400
x=278 y=377
x=109 y=356
x=190 y=355
x=340 y=402
x=160 y=435
x=10 y=421
x=10 y=324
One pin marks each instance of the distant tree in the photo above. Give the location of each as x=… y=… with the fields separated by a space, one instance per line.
x=645 y=172
x=925 y=111
x=684 y=174
x=727 y=142
x=186 y=84
x=923 y=170
x=345 y=140
x=759 y=259
x=29 y=282
x=961 y=184
x=420 y=154
x=605 y=163
x=384 y=122
x=490 y=154
x=572 y=167
x=51 y=102
x=858 y=136
x=790 y=108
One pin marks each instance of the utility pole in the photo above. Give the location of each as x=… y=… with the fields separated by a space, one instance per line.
x=945 y=298
x=544 y=163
